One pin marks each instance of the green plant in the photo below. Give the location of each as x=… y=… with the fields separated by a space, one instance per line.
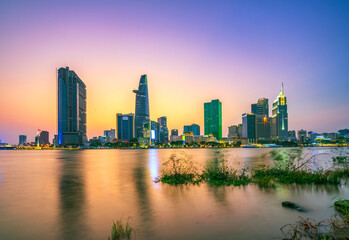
x=119 y=231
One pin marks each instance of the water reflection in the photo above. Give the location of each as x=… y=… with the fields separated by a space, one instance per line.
x=72 y=196
x=141 y=179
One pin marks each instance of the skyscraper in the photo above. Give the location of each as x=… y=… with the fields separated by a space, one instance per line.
x=163 y=129
x=279 y=121
x=233 y=131
x=71 y=108
x=22 y=139
x=142 y=106
x=213 y=118
x=125 y=126
x=195 y=128
x=261 y=110
x=249 y=126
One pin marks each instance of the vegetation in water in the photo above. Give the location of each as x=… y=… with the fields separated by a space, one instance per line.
x=286 y=167
x=119 y=231
x=218 y=172
x=336 y=227
x=179 y=169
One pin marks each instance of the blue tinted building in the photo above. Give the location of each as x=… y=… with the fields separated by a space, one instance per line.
x=192 y=128
x=125 y=126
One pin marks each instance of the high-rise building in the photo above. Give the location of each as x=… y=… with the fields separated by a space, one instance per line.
x=22 y=139
x=163 y=129
x=279 y=121
x=302 y=135
x=261 y=110
x=142 y=106
x=174 y=132
x=195 y=128
x=154 y=133
x=240 y=130
x=44 y=138
x=249 y=126
x=71 y=108
x=233 y=131
x=213 y=118
x=125 y=126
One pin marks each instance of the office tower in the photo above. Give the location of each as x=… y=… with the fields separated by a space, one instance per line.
x=213 y=118
x=71 y=108
x=142 y=106
x=154 y=133
x=261 y=110
x=55 y=140
x=249 y=126
x=195 y=128
x=279 y=121
x=22 y=139
x=125 y=126
x=233 y=131
x=174 y=132
x=163 y=129
x=302 y=135
x=44 y=138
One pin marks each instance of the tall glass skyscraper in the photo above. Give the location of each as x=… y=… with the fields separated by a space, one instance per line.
x=249 y=126
x=71 y=108
x=125 y=126
x=142 y=106
x=279 y=122
x=213 y=118
x=163 y=129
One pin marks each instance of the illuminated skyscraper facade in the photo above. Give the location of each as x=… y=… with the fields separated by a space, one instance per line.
x=71 y=108
x=142 y=107
x=163 y=135
x=279 y=121
x=195 y=128
x=261 y=110
x=213 y=118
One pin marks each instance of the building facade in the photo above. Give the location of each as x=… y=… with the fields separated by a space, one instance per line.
x=213 y=118
x=163 y=129
x=249 y=126
x=125 y=126
x=44 y=138
x=302 y=136
x=279 y=121
x=71 y=108
x=195 y=128
x=261 y=110
x=22 y=140
x=142 y=106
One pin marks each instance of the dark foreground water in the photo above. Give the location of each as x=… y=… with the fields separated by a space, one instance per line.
x=77 y=195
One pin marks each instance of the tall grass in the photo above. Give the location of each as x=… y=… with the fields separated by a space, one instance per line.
x=119 y=231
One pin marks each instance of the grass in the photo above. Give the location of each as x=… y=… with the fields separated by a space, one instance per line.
x=119 y=231
x=286 y=167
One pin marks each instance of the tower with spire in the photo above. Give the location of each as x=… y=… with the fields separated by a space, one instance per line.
x=279 y=120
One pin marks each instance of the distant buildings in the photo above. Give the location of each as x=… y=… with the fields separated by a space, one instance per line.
x=22 y=139
x=174 y=135
x=249 y=126
x=292 y=136
x=71 y=108
x=163 y=129
x=44 y=138
x=279 y=121
x=125 y=126
x=233 y=132
x=142 y=107
x=109 y=135
x=213 y=118
x=302 y=136
x=195 y=128
x=261 y=110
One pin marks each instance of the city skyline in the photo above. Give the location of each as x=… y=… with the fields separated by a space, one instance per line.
x=220 y=59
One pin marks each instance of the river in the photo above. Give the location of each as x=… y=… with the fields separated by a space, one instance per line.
x=76 y=194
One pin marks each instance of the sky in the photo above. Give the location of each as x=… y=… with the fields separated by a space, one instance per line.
x=193 y=51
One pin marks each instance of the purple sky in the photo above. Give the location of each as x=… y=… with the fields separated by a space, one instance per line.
x=192 y=51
